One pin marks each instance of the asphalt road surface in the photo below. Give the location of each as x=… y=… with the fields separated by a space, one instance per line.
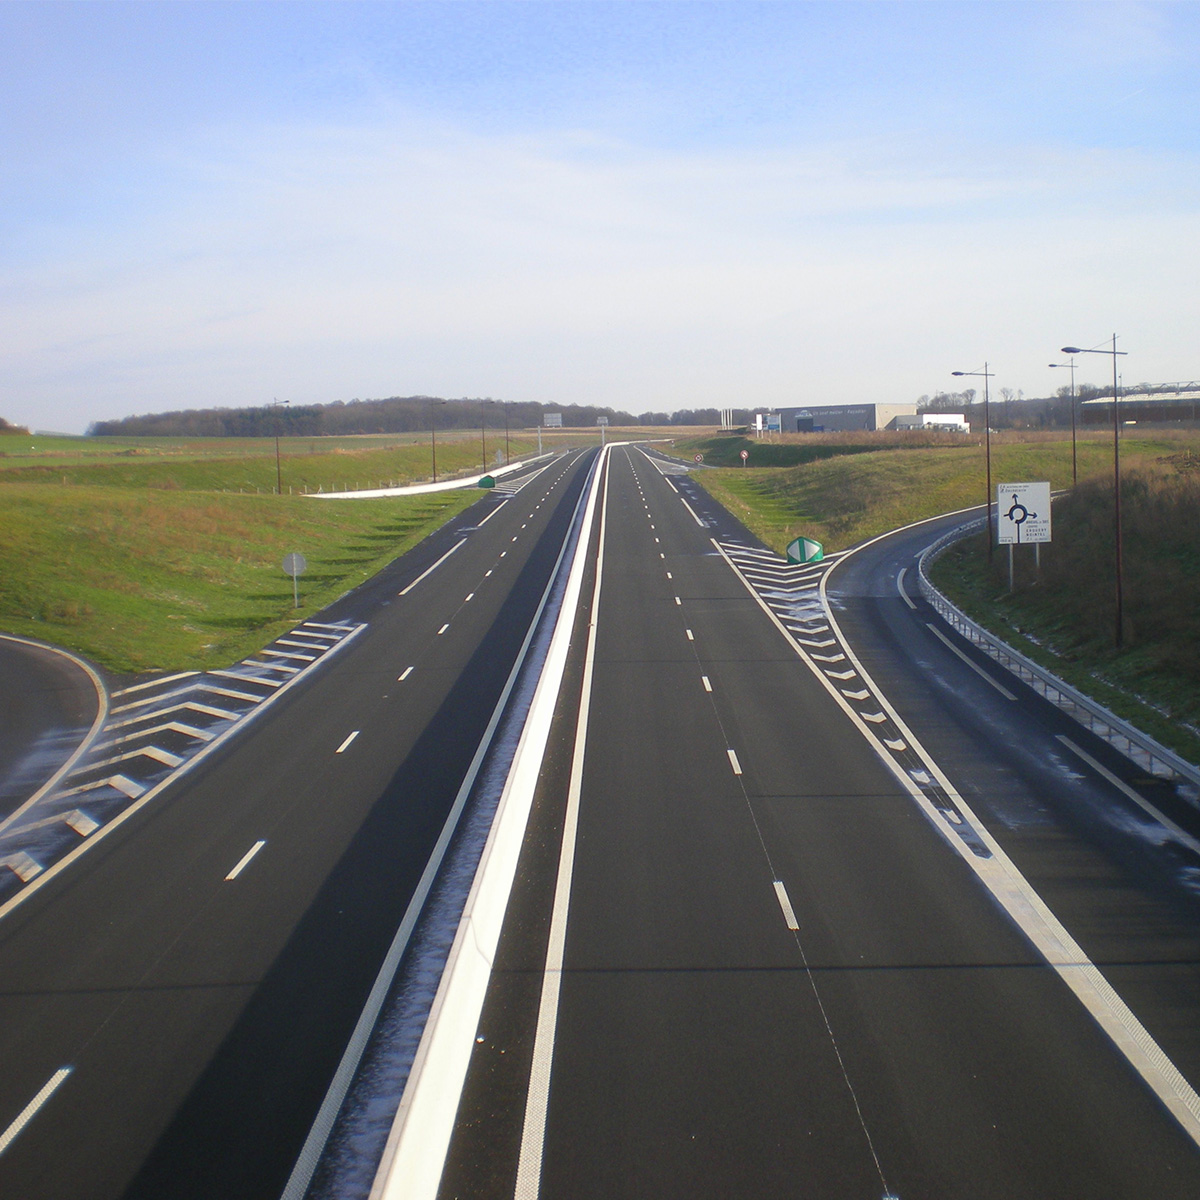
x=781 y=974
x=47 y=705
x=173 y=1005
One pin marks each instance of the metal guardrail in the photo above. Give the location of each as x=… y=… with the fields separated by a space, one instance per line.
x=1139 y=747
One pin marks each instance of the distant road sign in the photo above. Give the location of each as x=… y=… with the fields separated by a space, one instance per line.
x=805 y=550
x=295 y=565
x=745 y=455
x=1024 y=513
x=699 y=458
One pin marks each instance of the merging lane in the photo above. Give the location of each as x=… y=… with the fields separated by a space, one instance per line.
x=779 y=975
x=173 y=1004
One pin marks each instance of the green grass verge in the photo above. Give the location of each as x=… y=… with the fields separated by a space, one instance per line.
x=244 y=465
x=145 y=579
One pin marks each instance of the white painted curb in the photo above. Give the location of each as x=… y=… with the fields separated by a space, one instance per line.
x=412 y=1163
x=420 y=489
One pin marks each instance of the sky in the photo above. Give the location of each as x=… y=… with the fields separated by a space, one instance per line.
x=645 y=205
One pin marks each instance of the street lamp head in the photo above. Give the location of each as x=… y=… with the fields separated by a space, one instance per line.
x=958 y=372
x=1071 y=350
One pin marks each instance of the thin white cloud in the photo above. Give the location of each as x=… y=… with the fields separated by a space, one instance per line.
x=325 y=262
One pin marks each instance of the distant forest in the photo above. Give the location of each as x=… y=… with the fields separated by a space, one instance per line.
x=399 y=414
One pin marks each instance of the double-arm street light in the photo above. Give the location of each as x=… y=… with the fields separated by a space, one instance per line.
x=1074 y=459
x=278 y=467
x=1120 y=572
x=987 y=454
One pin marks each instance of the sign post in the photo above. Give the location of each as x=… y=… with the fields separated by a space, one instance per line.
x=1024 y=518
x=745 y=455
x=295 y=566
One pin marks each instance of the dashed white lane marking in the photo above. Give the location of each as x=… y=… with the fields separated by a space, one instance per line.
x=1142 y=803
x=661 y=554
x=900 y=588
x=733 y=762
x=974 y=666
x=693 y=512
x=430 y=570
x=470 y=597
x=689 y=635
x=443 y=629
x=407 y=672
x=677 y=600
x=503 y=553
x=514 y=539
x=30 y=1110
x=707 y=685
x=785 y=903
x=487 y=573
x=244 y=861
x=346 y=742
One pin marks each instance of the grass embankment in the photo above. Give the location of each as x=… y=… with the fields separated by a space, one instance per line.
x=1066 y=619
x=245 y=464
x=146 y=558
x=1065 y=616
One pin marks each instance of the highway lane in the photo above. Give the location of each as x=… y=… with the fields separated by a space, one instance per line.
x=1125 y=884
x=199 y=970
x=48 y=702
x=904 y=1038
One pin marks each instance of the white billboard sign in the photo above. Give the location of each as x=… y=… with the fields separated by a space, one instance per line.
x=1023 y=513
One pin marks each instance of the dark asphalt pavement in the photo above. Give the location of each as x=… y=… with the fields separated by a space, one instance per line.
x=904 y=1039
x=201 y=1016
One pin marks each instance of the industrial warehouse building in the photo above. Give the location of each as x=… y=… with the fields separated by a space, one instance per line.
x=835 y=418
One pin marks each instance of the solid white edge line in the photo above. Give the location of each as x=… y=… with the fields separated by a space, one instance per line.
x=347 y=742
x=1149 y=809
x=63 y=863
x=937 y=633
x=30 y=1110
x=493 y=512
x=785 y=904
x=244 y=861
x=430 y=570
x=900 y=588
x=1028 y=911
x=415 y=1154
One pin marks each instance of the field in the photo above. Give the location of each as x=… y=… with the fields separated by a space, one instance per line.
x=1064 y=618
x=142 y=555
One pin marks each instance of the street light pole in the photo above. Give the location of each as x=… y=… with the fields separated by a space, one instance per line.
x=1074 y=457
x=433 y=434
x=1120 y=589
x=987 y=454
x=507 y=456
x=278 y=468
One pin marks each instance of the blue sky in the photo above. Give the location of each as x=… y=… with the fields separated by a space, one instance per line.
x=646 y=205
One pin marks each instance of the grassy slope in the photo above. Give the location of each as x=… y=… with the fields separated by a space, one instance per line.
x=244 y=464
x=146 y=579
x=843 y=501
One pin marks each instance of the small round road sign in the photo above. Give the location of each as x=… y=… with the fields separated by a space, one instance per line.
x=699 y=458
x=745 y=455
